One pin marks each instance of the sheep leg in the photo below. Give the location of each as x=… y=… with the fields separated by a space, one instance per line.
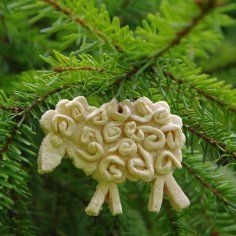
x=177 y=197
x=97 y=200
x=156 y=196
x=114 y=200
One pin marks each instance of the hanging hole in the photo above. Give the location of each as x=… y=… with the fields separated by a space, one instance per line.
x=120 y=109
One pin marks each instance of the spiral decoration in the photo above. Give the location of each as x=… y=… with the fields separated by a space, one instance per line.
x=93 y=153
x=155 y=140
x=138 y=140
x=141 y=167
x=174 y=136
x=166 y=162
x=63 y=125
x=111 y=168
x=132 y=132
x=162 y=116
x=90 y=134
x=111 y=132
x=127 y=147
x=98 y=117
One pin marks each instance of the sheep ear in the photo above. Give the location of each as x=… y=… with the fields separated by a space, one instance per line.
x=46 y=121
x=51 y=152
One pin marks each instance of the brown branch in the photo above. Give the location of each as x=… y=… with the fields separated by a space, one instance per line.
x=210 y=5
x=202 y=92
x=180 y=34
x=22 y=116
x=211 y=141
x=15 y=128
x=219 y=68
x=127 y=76
x=5 y=37
x=214 y=233
x=216 y=143
x=15 y=109
x=207 y=216
x=205 y=9
x=78 y=68
x=125 y=4
x=83 y=23
x=45 y=96
x=205 y=183
x=170 y=216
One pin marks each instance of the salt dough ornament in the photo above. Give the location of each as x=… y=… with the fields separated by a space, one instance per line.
x=135 y=141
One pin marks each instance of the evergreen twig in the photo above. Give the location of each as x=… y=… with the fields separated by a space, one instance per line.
x=206 y=184
x=78 y=68
x=220 y=68
x=201 y=91
x=221 y=146
x=170 y=217
x=175 y=42
x=92 y=29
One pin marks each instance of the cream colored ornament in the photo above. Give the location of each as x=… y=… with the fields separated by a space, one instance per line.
x=133 y=141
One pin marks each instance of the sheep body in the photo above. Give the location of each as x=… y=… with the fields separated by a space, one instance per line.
x=135 y=141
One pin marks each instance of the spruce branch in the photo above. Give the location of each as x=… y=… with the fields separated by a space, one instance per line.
x=205 y=183
x=125 y=4
x=7 y=104
x=13 y=177
x=218 y=180
x=216 y=143
x=210 y=221
x=19 y=120
x=78 y=68
x=41 y=99
x=60 y=65
x=23 y=110
x=201 y=91
x=220 y=68
x=151 y=59
x=170 y=217
x=92 y=29
x=204 y=10
x=197 y=121
x=10 y=108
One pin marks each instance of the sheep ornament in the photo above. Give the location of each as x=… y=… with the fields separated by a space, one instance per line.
x=135 y=141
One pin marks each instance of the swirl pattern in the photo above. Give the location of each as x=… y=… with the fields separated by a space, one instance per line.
x=111 y=132
x=132 y=132
x=138 y=140
x=111 y=168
